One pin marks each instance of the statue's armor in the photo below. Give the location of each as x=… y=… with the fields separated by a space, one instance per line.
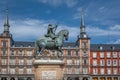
x=50 y=32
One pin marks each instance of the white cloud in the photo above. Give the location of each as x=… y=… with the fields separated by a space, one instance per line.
x=56 y=3
x=32 y=29
x=114 y=42
x=115 y=27
x=96 y=31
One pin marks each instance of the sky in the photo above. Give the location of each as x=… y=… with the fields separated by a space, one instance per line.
x=29 y=19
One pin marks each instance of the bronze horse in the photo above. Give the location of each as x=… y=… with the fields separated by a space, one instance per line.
x=49 y=44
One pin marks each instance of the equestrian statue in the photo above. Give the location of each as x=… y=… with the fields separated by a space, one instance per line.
x=51 y=41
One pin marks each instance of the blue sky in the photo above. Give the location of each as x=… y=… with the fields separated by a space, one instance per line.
x=29 y=18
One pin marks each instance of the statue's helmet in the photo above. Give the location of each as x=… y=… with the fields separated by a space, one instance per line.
x=50 y=26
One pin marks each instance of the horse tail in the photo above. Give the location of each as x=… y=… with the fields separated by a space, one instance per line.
x=35 y=48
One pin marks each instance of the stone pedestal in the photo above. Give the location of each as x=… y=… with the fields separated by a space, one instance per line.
x=48 y=69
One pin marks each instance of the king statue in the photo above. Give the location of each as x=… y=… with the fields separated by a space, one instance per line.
x=51 y=31
x=51 y=41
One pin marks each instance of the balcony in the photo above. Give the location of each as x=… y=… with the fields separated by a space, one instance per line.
x=19 y=75
x=74 y=65
x=4 y=56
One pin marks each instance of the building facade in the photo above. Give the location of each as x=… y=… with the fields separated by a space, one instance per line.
x=83 y=61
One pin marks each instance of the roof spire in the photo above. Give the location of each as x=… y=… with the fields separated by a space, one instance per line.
x=6 y=24
x=82 y=27
x=82 y=19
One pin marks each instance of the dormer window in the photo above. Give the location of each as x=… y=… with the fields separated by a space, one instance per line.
x=29 y=45
x=21 y=45
x=100 y=47
x=112 y=47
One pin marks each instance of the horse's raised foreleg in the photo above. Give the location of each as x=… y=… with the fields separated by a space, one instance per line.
x=40 y=51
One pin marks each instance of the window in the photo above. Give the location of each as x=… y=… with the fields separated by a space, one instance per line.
x=102 y=71
x=20 y=71
x=29 y=62
x=109 y=71
x=12 y=71
x=94 y=62
x=21 y=61
x=76 y=53
x=29 y=71
x=69 y=52
x=76 y=70
x=108 y=62
x=101 y=54
x=95 y=71
x=114 y=62
x=85 y=70
x=29 y=53
x=69 y=62
x=69 y=70
x=85 y=62
x=100 y=47
x=102 y=62
x=4 y=43
x=4 y=71
x=12 y=61
x=76 y=61
x=114 y=54
x=20 y=52
x=3 y=61
x=94 y=55
x=12 y=53
x=108 y=54
x=3 y=52
x=115 y=71
x=84 y=44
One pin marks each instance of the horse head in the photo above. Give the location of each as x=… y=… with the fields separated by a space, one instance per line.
x=65 y=33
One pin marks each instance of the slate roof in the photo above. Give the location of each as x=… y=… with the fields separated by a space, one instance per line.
x=69 y=44
x=24 y=44
x=104 y=47
x=93 y=47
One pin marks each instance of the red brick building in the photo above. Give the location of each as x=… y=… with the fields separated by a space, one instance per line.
x=83 y=61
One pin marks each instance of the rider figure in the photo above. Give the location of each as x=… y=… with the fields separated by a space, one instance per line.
x=51 y=31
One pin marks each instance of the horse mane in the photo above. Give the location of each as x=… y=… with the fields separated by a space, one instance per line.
x=62 y=31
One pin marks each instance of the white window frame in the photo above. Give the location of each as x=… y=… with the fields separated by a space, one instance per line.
x=4 y=61
x=4 y=71
x=29 y=71
x=114 y=54
x=12 y=61
x=115 y=62
x=101 y=54
x=95 y=71
x=20 y=71
x=102 y=62
x=108 y=54
x=29 y=61
x=76 y=70
x=108 y=71
x=94 y=62
x=108 y=62
x=102 y=70
x=115 y=71
x=85 y=70
x=69 y=62
x=29 y=53
x=12 y=71
x=21 y=61
x=94 y=54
